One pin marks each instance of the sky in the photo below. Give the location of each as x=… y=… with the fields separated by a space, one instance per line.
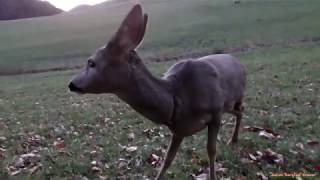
x=69 y=4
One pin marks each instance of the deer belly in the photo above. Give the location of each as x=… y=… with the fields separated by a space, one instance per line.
x=190 y=125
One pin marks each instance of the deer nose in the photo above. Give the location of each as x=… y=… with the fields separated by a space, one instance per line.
x=74 y=88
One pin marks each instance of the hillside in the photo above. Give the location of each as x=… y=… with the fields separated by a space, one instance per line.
x=175 y=27
x=18 y=9
x=82 y=7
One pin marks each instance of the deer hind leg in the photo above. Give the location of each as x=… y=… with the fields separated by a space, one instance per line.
x=238 y=112
x=171 y=153
x=213 y=130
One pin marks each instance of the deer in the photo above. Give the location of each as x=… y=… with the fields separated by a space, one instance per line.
x=192 y=95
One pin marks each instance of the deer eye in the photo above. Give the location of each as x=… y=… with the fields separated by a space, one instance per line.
x=91 y=64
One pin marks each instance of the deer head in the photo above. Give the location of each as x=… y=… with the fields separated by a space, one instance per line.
x=108 y=69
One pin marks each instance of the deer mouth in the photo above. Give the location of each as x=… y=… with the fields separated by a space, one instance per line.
x=74 y=88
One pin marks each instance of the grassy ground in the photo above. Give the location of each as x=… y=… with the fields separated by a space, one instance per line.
x=48 y=133
x=93 y=136
x=176 y=27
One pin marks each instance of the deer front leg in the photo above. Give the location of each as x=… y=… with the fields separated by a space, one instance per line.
x=171 y=153
x=213 y=130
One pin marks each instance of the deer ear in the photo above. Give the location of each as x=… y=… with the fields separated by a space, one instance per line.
x=143 y=28
x=131 y=31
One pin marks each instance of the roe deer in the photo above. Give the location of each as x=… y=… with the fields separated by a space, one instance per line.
x=192 y=95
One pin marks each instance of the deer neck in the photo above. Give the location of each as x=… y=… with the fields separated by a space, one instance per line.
x=149 y=95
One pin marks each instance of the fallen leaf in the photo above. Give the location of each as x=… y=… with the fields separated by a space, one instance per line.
x=93 y=153
x=261 y=176
x=59 y=144
x=34 y=169
x=300 y=146
x=263 y=132
x=313 y=142
x=94 y=163
x=96 y=169
x=131 y=136
x=13 y=173
x=200 y=177
x=131 y=148
x=293 y=152
x=22 y=162
x=259 y=153
x=222 y=170
x=273 y=157
x=29 y=155
x=122 y=164
x=154 y=160
x=253 y=128
x=267 y=135
x=252 y=157
x=2 y=139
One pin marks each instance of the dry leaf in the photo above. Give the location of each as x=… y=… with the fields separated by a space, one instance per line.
x=259 y=153
x=267 y=135
x=222 y=170
x=94 y=163
x=35 y=169
x=25 y=162
x=293 y=152
x=261 y=176
x=96 y=169
x=263 y=132
x=300 y=146
x=252 y=157
x=59 y=144
x=313 y=142
x=273 y=157
x=154 y=160
x=123 y=164
x=2 y=150
x=2 y=139
x=131 y=136
x=202 y=176
x=253 y=128
x=131 y=149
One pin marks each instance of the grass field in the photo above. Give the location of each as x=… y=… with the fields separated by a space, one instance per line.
x=37 y=110
x=47 y=132
x=175 y=27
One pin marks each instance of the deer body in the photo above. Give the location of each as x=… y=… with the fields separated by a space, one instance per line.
x=203 y=87
x=192 y=95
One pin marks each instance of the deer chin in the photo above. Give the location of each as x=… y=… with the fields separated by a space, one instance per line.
x=78 y=92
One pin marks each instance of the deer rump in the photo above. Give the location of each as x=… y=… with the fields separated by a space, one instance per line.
x=202 y=87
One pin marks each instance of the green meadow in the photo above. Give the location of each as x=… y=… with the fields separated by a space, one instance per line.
x=175 y=27
x=47 y=132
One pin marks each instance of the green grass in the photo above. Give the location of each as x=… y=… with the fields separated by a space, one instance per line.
x=175 y=27
x=282 y=57
x=282 y=82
